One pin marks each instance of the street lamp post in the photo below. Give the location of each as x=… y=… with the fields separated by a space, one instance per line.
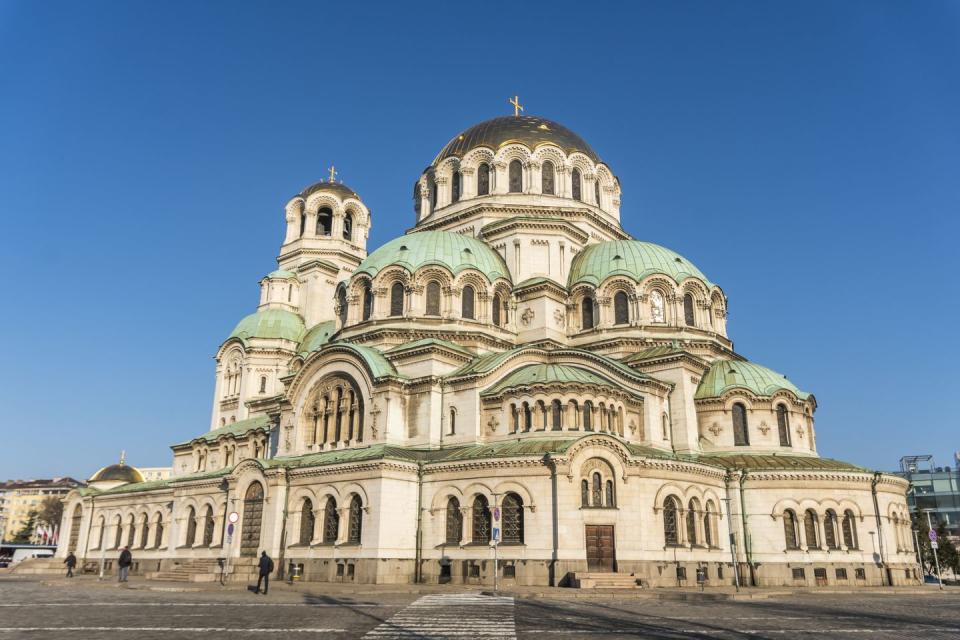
x=916 y=546
x=933 y=545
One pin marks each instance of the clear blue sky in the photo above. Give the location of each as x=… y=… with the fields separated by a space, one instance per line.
x=804 y=155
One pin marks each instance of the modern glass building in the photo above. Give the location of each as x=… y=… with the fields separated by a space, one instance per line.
x=933 y=487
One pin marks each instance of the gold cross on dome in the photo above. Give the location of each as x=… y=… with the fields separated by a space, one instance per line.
x=517 y=107
x=333 y=173
x=123 y=457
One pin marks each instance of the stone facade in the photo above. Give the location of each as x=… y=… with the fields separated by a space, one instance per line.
x=518 y=369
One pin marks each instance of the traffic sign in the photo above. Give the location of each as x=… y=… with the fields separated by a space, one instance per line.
x=934 y=545
x=496 y=534
x=933 y=535
x=496 y=514
x=233 y=517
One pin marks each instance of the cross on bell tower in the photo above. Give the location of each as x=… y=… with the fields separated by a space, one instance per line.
x=333 y=173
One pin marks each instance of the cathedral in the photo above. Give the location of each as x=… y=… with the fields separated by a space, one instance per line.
x=516 y=390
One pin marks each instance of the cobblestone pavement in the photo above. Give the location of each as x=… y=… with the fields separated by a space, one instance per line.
x=39 y=610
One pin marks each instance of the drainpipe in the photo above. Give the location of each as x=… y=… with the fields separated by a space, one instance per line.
x=417 y=573
x=885 y=574
x=283 y=531
x=746 y=535
x=556 y=520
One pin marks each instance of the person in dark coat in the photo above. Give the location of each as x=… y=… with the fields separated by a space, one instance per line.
x=71 y=562
x=266 y=568
x=126 y=559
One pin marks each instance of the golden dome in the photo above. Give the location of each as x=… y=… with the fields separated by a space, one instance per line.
x=117 y=473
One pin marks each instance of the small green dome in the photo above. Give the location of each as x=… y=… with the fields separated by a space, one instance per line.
x=280 y=274
x=270 y=323
x=318 y=336
x=631 y=258
x=725 y=375
x=454 y=251
x=534 y=374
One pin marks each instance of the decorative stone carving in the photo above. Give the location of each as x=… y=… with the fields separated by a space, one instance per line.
x=527 y=316
x=559 y=317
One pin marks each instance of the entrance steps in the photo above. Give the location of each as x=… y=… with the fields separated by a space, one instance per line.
x=41 y=567
x=597 y=580
x=196 y=570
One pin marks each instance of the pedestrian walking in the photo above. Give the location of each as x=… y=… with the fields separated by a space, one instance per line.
x=126 y=559
x=266 y=568
x=71 y=562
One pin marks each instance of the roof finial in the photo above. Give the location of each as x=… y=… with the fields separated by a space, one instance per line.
x=517 y=107
x=123 y=456
x=333 y=173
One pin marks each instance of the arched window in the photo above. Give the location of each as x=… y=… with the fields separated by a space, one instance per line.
x=483 y=179
x=263 y=384
x=657 y=313
x=596 y=192
x=324 y=222
x=609 y=499
x=495 y=310
x=208 y=526
x=289 y=293
x=355 y=524
x=588 y=416
x=850 y=530
x=708 y=525
x=481 y=520
x=102 y=526
x=830 y=530
x=547 y=178
x=455 y=187
x=454 y=521
x=331 y=521
x=665 y=426
x=621 y=309
x=512 y=514
x=433 y=298
x=144 y=531
x=131 y=529
x=191 y=527
x=367 y=302
x=586 y=313
x=575 y=184
x=584 y=493
x=810 y=529
x=783 y=425
x=466 y=302
x=688 y=317
x=741 y=434
x=396 y=299
x=556 y=410
x=303 y=223
x=342 y=305
x=790 y=530
x=596 y=493
x=527 y=417
x=433 y=193
x=307 y=522
x=692 y=522
x=670 y=510
x=348 y=226
x=515 y=177
x=453 y=421
x=158 y=532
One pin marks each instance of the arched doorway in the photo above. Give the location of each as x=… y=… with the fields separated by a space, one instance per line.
x=252 y=520
x=75 y=528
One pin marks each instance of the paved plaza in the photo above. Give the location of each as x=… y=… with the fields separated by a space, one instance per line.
x=38 y=609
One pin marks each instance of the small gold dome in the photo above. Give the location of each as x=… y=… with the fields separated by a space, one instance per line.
x=123 y=473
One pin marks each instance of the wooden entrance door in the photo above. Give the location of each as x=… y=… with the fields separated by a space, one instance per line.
x=252 y=520
x=600 y=548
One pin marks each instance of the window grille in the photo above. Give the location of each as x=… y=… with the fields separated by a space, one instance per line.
x=790 y=530
x=741 y=435
x=810 y=529
x=515 y=177
x=331 y=521
x=849 y=530
x=396 y=299
x=670 y=521
x=481 y=520
x=547 y=178
x=454 y=521
x=466 y=299
x=609 y=498
x=512 y=513
x=799 y=573
x=575 y=184
x=783 y=425
x=597 y=493
x=860 y=574
x=483 y=179
x=307 y=521
x=356 y=521
x=688 y=316
x=841 y=574
x=208 y=527
x=621 y=310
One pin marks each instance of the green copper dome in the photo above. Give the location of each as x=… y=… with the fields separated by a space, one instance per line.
x=270 y=323
x=548 y=374
x=454 y=251
x=318 y=336
x=530 y=131
x=725 y=375
x=631 y=258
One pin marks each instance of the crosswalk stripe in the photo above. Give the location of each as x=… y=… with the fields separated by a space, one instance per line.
x=438 y=616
